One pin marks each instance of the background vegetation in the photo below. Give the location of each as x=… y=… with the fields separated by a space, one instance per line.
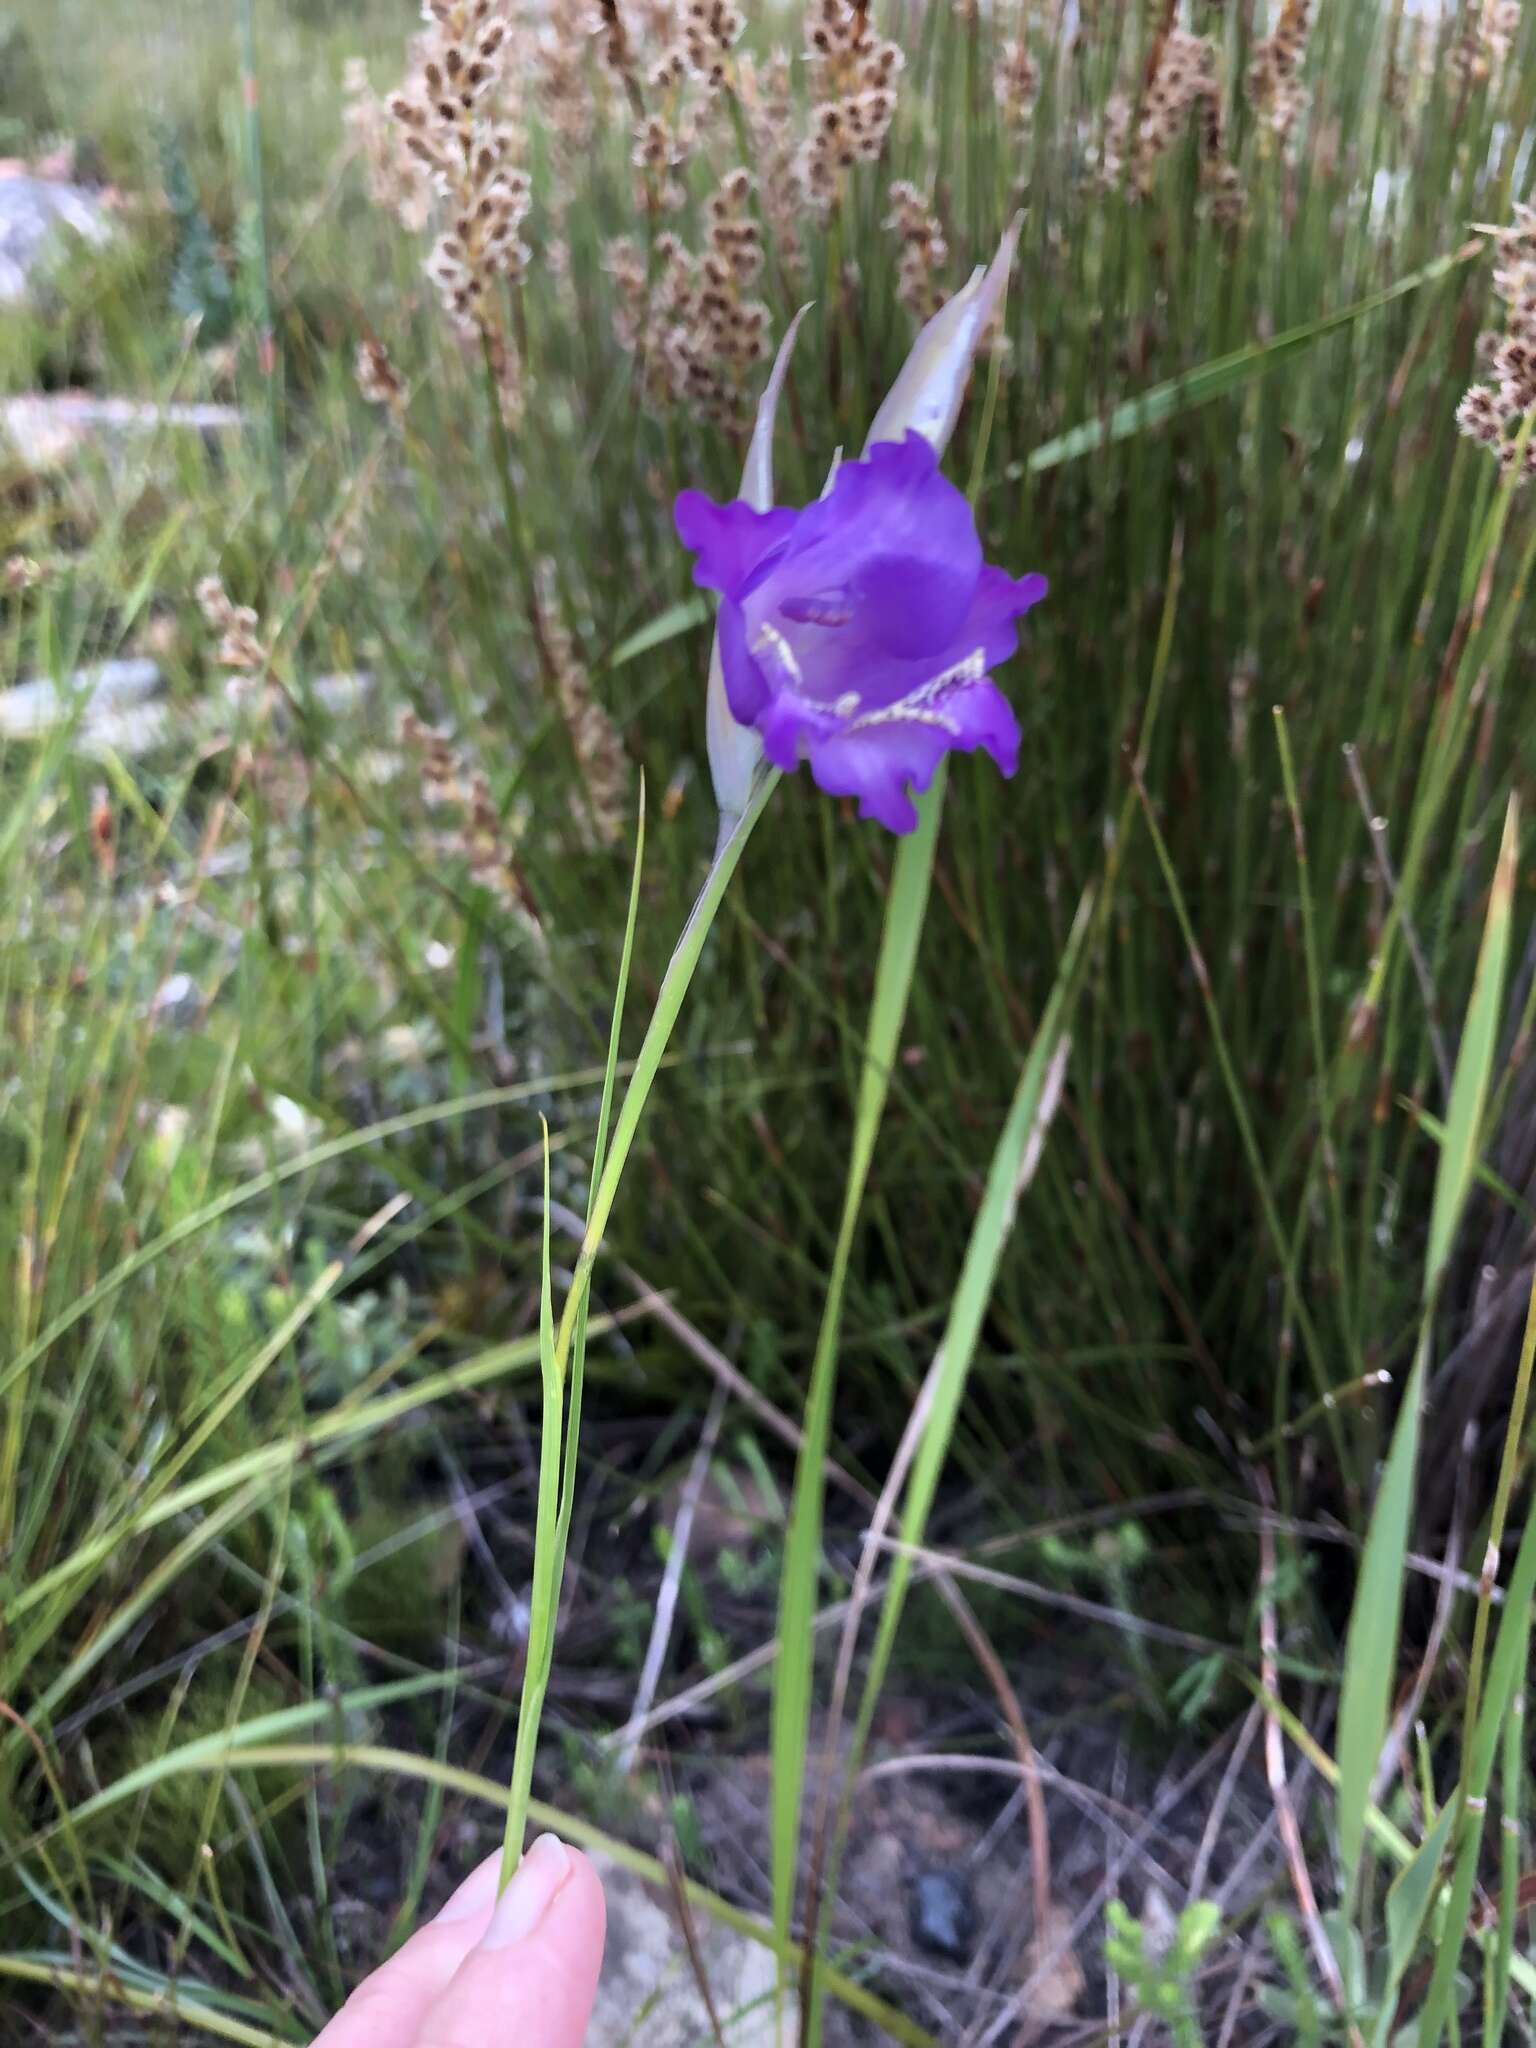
x=286 y=985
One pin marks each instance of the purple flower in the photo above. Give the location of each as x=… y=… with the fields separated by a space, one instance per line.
x=858 y=633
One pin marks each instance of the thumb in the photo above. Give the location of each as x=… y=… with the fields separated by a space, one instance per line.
x=530 y=1980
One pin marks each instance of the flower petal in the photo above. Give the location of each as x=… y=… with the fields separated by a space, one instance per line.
x=791 y=725
x=731 y=541
x=746 y=688
x=999 y=600
x=881 y=761
x=895 y=542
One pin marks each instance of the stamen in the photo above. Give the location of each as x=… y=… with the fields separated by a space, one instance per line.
x=826 y=608
x=846 y=705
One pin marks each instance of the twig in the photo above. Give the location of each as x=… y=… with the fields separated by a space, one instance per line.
x=1090 y=1913
x=1048 y=1596
x=677 y=1884
x=790 y=1433
x=885 y=1508
x=1222 y=1801
x=672 y=1578
x=1274 y=1760
x=1445 y=1601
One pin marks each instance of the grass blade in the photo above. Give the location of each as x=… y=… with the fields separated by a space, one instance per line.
x=798 y=1586
x=1370 y=1651
x=547 y=1575
x=1506 y=1674
x=1013 y=1163
x=1229 y=373
x=1474 y=1064
x=166 y=2004
x=554 y=1515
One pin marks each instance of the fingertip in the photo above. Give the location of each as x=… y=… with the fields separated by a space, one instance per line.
x=533 y=1975
x=474 y=1898
x=587 y=1907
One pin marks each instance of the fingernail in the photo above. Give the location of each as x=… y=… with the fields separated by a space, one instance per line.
x=475 y=1895
x=530 y=1894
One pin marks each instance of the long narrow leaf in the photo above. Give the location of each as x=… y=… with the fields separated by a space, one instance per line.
x=800 y=1583
x=1163 y=402
x=539 y=1652
x=1013 y=1164
x=1370 y=1651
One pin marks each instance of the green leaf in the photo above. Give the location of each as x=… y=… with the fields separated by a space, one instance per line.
x=1228 y=373
x=1370 y=1652
x=1506 y=1675
x=671 y=624
x=1412 y=1890
x=547 y=1563
x=791 y=1717
x=1474 y=1064
x=1370 y=1648
x=1013 y=1163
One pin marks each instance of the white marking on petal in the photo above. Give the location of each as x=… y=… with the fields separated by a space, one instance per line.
x=970 y=670
x=770 y=640
x=846 y=705
x=920 y=705
x=904 y=713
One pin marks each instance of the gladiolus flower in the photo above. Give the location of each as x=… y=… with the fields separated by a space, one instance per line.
x=860 y=632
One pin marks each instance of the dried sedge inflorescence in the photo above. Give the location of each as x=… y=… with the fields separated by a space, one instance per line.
x=924 y=251
x=452 y=111
x=560 y=70
x=1183 y=86
x=378 y=379
x=251 y=686
x=696 y=51
x=1016 y=85
x=696 y=330
x=662 y=146
x=1486 y=37
x=768 y=103
x=711 y=30
x=483 y=841
x=853 y=73
x=21 y=573
x=397 y=180
x=601 y=810
x=1275 y=89
x=238 y=627
x=1492 y=411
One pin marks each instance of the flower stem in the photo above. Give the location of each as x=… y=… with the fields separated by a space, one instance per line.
x=551 y=1523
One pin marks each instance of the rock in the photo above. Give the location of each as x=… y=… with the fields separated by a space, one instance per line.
x=944 y=1913
x=646 y=1970
x=113 y=702
x=46 y=429
x=35 y=212
x=119 y=709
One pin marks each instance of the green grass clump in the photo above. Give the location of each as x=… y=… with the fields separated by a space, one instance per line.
x=286 y=993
